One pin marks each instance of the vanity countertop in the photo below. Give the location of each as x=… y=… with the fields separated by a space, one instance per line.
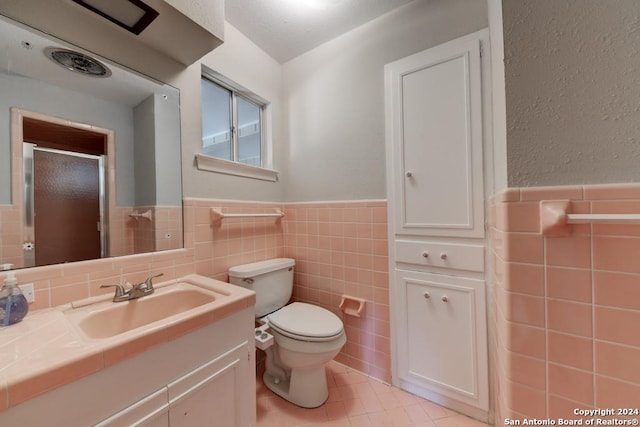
x=46 y=350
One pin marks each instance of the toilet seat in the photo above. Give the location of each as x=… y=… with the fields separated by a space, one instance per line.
x=306 y=322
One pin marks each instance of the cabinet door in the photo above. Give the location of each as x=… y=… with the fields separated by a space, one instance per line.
x=434 y=141
x=213 y=393
x=442 y=337
x=152 y=411
x=158 y=420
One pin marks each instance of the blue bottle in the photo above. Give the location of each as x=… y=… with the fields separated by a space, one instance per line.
x=13 y=304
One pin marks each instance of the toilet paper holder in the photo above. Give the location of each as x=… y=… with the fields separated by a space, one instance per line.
x=352 y=306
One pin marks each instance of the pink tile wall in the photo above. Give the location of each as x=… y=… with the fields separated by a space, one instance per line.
x=125 y=236
x=209 y=251
x=168 y=227
x=567 y=315
x=341 y=248
x=144 y=236
x=10 y=236
x=121 y=231
x=234 y=241
x=128 y=236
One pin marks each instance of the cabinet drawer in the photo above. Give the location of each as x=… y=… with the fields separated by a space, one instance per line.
x=441 y=255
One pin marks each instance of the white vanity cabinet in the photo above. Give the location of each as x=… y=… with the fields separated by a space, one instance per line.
x=206 y=377
x=211 y=392
x=436 y=118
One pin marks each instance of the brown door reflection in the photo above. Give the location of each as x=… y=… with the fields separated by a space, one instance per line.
x=66 y=191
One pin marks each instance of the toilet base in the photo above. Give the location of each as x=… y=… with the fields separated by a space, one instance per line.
x=306 y=388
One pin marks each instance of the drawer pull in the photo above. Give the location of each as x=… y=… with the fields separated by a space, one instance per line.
x=409 y=174
x=443 y=256
x=445 y=298
x=425 y=254
x=427 y=295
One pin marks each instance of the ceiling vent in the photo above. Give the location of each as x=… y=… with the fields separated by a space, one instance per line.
x=77 y=62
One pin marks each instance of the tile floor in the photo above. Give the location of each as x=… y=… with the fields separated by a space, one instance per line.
x=356 y=400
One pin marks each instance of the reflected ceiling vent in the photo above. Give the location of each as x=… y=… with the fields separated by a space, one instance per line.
x=77 y=62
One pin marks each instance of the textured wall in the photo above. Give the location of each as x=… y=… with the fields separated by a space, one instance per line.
x=572 y=91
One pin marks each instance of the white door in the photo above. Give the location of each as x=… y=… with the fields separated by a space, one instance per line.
x=434 y=134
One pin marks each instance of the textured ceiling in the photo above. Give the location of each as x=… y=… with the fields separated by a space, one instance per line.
x=288 y=28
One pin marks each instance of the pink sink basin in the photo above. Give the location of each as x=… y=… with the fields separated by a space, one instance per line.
x=107 y=319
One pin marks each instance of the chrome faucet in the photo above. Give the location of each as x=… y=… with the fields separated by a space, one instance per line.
x=136 y=291
x=144 y=288
x=121 y=294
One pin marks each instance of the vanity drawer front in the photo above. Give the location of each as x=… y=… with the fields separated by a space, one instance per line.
x=442 y=255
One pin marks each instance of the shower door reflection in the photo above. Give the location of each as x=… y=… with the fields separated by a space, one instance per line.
x=64 y=197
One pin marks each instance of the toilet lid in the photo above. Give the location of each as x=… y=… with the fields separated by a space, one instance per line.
x=306 y=321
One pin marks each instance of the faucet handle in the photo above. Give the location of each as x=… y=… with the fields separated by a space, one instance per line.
x=120 y=292
x=149 y=281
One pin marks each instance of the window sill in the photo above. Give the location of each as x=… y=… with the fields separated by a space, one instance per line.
x=213 y=164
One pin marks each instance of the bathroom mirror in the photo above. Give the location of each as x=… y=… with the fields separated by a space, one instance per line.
x=89 y=155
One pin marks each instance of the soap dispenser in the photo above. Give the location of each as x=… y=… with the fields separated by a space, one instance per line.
x=13 y=304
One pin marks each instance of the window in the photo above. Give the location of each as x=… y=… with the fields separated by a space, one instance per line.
x=232 y=124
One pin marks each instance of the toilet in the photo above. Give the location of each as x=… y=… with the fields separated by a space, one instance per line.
x=305 y=336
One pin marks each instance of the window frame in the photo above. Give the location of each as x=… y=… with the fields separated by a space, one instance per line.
x=234 y=167
x=235 y=130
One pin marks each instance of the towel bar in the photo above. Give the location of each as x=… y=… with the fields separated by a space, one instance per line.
x=217 y=215
x=555 y=219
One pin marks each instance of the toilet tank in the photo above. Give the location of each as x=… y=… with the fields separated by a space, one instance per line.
x=271 y=280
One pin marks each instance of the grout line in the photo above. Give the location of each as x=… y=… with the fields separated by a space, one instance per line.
x=593 y=311
x=546 y=323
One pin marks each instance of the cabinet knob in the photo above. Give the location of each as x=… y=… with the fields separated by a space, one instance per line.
x=427 y=295
x=409 y=174
x=445 y=298
x=425 y=254
x=443 y=256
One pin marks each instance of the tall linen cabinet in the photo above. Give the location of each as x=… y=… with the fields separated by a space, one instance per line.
x=437 y=106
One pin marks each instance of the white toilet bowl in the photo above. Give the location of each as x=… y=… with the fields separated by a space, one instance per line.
x=306 y=338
